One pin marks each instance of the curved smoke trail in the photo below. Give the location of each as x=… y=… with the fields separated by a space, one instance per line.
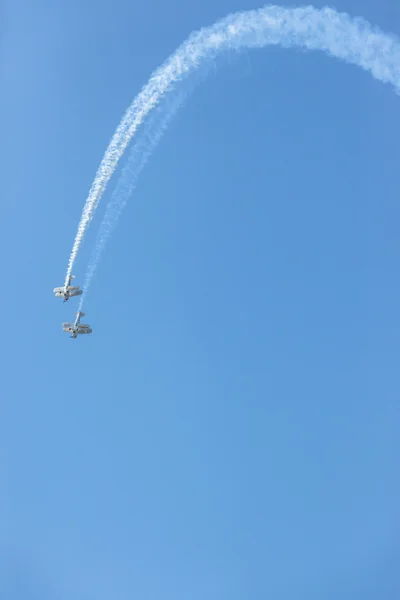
x=353 y=40
x=140 y=154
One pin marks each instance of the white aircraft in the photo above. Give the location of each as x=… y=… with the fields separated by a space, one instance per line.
x=76 y=328
x=67 y=291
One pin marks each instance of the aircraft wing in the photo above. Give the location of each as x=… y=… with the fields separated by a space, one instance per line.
x=85 y=330
x=69 y=294
x=69 y=288
x=67 y=326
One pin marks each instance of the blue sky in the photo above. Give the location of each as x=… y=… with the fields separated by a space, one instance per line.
x=231 y=427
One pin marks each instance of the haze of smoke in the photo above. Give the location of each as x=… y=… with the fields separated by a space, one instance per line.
x=353 y=40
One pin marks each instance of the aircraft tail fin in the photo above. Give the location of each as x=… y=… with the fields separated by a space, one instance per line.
x=80 y=314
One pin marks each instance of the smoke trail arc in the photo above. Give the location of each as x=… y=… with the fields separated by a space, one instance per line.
x=147 y=141
x=353 y=40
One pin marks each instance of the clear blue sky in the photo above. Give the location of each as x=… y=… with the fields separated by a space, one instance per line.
x=230 y=430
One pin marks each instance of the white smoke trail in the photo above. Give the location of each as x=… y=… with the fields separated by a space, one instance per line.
x=140 y=154
x=353 y=40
